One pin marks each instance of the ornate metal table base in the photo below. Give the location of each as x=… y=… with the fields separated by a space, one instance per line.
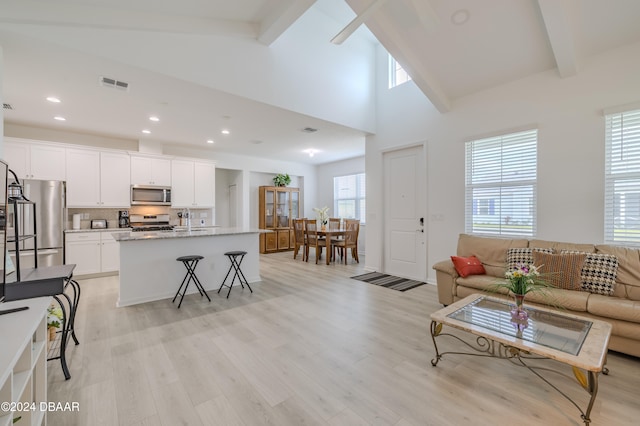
x=488 y=348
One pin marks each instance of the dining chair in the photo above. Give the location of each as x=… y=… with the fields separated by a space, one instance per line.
x=300 y=240
x=334 y=223
x=313 y=240
x=350 y=241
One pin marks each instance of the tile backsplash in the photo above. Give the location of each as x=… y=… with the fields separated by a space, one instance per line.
x=111 y=215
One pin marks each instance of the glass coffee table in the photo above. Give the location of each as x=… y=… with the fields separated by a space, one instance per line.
x=578 y=342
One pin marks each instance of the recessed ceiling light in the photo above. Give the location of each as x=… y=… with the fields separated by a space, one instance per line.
x=154 y=118
x=53 y=99
x=146 y=132
x=59 y=118
x=311 y=152
x=225 y=132
x=210 y=141
x=460 y=17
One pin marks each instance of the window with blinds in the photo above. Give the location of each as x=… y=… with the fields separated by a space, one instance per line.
x=500 y=186
x=349 y=197
x=622 y=177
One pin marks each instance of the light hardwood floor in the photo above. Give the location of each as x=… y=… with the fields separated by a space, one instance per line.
x=310 y=346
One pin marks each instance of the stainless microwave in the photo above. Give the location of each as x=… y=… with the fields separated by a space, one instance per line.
x=142 y=195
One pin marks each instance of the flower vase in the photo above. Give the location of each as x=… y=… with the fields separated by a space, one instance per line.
x=52 y=335
x=323 y=228
x=519 y=313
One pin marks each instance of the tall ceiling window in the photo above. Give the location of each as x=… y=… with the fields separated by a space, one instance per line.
x=500 y=185
x=397 y=74
x=622 y=177
x=349 y=200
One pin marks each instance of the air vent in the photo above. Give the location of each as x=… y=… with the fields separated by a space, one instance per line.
x=7 y=106
x=309 y=130
x=114 y=84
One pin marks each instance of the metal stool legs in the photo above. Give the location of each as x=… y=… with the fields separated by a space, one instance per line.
x=235 y=266
x=190 y=262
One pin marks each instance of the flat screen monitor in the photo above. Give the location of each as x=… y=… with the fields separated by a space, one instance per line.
x=4 y=254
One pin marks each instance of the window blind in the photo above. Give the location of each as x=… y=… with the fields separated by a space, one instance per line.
x=349 y=196
x=622 y=177
x=500 y=184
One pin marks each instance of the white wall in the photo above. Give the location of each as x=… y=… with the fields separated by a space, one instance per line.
x=568 y=114
x=325 y=175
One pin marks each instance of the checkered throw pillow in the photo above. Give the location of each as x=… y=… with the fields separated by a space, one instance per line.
x=516 y=256
x=598 y=273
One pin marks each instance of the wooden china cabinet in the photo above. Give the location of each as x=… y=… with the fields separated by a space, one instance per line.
x=278 y=207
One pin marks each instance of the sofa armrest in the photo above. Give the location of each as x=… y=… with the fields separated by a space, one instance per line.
x=446 y=276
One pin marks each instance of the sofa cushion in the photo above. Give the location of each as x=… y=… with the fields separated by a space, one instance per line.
x=598 y=273
x=614 y=307
x=559 y=246
x=560 y=270
x=522 y=256
x=628 y=270
x=491 y=251
x=466 y=266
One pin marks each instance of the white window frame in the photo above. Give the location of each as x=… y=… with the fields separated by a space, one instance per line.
x=622 y=177
x=501 y=184
x=360 y=196
x=397 y=74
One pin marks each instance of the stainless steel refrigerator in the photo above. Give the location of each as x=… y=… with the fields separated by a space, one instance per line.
x=49 y=199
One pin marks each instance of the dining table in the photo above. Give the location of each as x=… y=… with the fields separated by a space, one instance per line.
x=328 y=234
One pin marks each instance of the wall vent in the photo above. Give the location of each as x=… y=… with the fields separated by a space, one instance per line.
x=7 y=106
x=114 y=84
x=309 y=130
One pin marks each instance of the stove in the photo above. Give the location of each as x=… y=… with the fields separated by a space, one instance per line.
x=151 y=222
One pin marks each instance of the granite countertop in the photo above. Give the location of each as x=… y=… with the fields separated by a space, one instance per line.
x=184 y=233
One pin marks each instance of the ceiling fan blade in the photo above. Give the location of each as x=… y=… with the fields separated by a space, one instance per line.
x=357 y=21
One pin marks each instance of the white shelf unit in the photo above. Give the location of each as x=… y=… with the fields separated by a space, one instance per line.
x=23 y=362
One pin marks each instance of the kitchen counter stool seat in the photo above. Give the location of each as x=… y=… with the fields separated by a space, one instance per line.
x=235 y=266
x=190 y=262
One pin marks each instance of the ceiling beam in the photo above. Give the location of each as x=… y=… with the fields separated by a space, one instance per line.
x=360 y=19
x=557 y=20
x=412 y=60
x=279 y=20
x=87 y=16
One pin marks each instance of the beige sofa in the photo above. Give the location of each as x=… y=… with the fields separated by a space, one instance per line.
x=621 y=310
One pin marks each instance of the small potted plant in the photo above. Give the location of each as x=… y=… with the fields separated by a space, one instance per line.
x=282 y=180
x=54 y=320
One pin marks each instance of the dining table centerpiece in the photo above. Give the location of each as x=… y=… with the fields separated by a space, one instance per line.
x=323 y=216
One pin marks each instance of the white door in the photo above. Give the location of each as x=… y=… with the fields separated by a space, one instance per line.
x=233 y=205
x=405 y=253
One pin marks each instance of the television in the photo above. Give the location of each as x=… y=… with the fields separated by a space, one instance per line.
x=4 y=254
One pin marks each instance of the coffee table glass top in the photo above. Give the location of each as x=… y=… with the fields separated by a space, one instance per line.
x=549 y=329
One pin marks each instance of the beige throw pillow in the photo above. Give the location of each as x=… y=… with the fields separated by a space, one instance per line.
x=560 y=270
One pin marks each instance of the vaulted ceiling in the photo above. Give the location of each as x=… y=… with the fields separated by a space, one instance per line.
x=451 y=48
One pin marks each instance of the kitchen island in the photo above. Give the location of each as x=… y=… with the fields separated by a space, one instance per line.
x=149 y=270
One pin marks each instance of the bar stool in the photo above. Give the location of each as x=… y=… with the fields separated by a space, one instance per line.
x=235 y=265
x=190 y=262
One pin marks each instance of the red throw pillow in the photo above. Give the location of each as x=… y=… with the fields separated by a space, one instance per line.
x=466 y=266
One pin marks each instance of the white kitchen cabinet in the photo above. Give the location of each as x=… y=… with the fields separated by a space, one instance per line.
x=110 y=253
x=192 y=184
x=93 y=252
x=84 y=250
x=97 y=179
x=35 y=161
x=147 y=170
x=115 y=180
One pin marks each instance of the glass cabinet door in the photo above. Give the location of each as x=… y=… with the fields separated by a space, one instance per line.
x=282 y=208
x=269 y=209
x=295 y=204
